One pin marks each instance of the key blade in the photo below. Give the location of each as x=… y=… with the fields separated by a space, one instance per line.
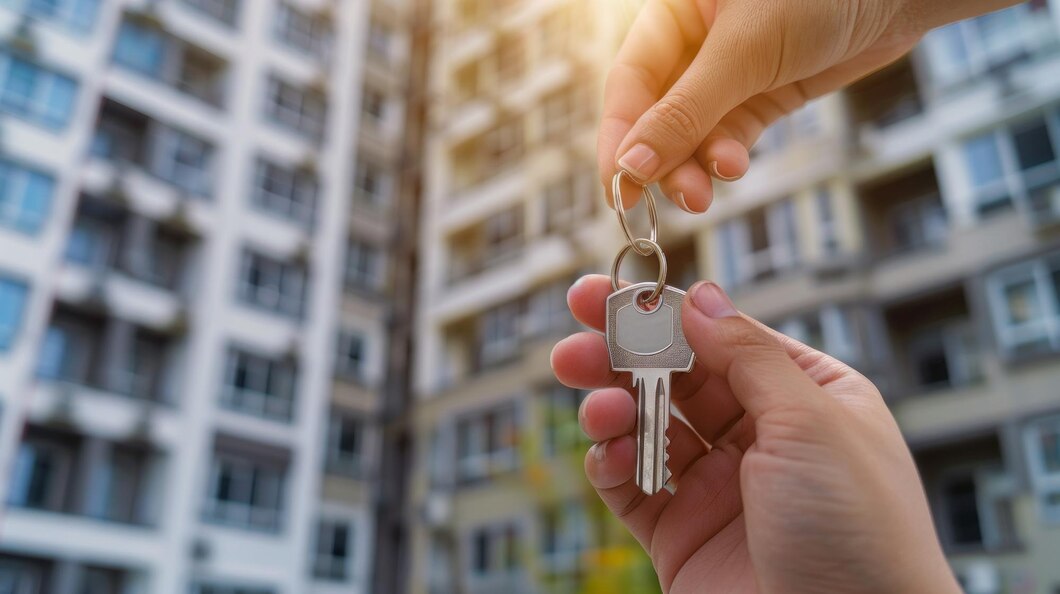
x=653 y=419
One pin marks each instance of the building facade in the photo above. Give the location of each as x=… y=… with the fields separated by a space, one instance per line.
x=191 y=278
x=906 y=225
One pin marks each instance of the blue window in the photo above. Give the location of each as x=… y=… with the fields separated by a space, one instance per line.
x=12 y=303
x=78 y=15
x=25 y=197
x=35 y=93
x=140 y=48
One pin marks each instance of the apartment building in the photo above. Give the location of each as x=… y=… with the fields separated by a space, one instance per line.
x=906 y=225
x=512 y=214
x=190 y=280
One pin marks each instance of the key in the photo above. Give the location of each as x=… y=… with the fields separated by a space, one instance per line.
x=651 y=346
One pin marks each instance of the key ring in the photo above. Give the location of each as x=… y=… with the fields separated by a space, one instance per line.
x=649 y=201
x=650 y=246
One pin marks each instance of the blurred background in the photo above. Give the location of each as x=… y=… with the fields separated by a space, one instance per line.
x=279 y=280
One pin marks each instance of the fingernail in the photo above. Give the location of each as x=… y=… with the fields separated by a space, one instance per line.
x=640 y=161
x=581 y=409
x=714 y=172
x=679 y=197
x=712 y=301
x=600 y=451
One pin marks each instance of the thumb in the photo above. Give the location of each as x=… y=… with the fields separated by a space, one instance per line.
x=753 y=362
x=722 y=76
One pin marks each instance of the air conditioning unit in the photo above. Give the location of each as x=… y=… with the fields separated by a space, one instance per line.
x=979 y=577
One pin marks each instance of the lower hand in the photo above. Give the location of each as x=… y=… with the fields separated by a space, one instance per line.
x=790 y=473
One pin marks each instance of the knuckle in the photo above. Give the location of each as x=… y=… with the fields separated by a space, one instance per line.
x=678 y=118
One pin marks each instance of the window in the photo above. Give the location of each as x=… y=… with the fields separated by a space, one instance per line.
x=372 y=185
x=828 y=230
x=25 y=197
x=216 y=588
x=13 y=296
x=969 y=48
x=830 y=330
x=379 y=41
x=288 y=192
x=69 y=352
x=976 y=509
x=563 y=434
x=373 y=104
x=345 y=445
x=510 y=58
x=42 y=475
x=503 y=146
x=564 y=536
x=918 y=223
x=258 y=385
x=224 y=11
x=759 y=245
x=503 y=235
x=1042 y=441
x=364 y=266
x=351 y=356
x=568 y=202
x=23 y=575
x=565 y=111
x=547 y=311
x=35 y=93
x=945 y=355
x=331 y=557
x=495 y=550
x=78 y=15
x=1024 y=303
x=309 y=33
x=487 y=444
x=245 y=490
x=500 y=333
x=272 y=284
x=300 y=110
x=141 y=47
x=1017 y=162
x=183 y=160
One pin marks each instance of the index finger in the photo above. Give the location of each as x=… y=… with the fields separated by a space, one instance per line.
x=645 y=66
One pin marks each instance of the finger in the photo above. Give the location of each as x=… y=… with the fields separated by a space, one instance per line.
x=581 y=361
x=724 y=158
x=719 y=79
x=706 y=400
x=607 y=414
x=649 y=58
x=689 y=187
x=611 y=465
x=611 y=413
x=758 y=369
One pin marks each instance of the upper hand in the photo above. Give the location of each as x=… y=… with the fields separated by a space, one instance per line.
x=697 y=81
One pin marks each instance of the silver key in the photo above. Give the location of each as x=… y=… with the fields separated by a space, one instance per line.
x=651 y=346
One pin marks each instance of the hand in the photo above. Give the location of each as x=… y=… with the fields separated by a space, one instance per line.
x=791 y=475
x=682 y=105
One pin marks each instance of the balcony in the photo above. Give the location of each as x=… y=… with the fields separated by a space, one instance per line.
x=972 y=494
x=904 y=215
x=61 y=471
x=494 y=242
x=107 y=237
x=127 y=137
x=935 y=342
x=24 y=574
x=85 y=346
x=145 y=48
x=885 y=98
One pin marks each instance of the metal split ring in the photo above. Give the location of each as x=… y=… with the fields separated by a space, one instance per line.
x=649 y=246
x=649 y=201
